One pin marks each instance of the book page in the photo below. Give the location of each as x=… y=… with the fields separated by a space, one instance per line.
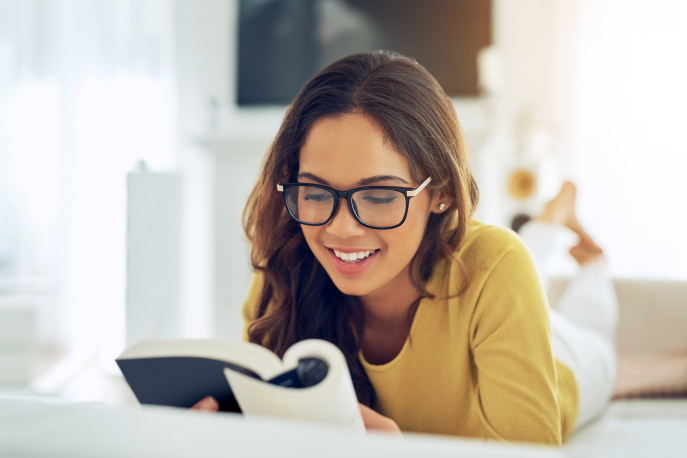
x=331 y=401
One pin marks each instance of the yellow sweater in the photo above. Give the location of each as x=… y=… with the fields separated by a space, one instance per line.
x=480 y=364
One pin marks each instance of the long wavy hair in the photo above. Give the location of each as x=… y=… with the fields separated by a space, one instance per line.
x=298 y=299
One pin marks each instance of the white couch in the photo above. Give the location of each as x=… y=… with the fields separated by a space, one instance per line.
x=30 y=429
x=653 y=319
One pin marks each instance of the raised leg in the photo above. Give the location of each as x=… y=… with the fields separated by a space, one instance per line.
x=583 y=326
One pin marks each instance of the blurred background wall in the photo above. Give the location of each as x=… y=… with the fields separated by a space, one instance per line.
x=592 y=91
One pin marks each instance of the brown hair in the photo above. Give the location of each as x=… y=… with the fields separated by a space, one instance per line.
x=299 y=300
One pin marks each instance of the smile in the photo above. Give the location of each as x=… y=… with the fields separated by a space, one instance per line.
x=352 y=263
x=353 y=257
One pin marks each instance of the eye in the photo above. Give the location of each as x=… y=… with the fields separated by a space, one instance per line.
x=317 y=196
x=380 y=200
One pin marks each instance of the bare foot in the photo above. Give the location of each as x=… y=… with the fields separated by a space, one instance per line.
x=586 y=252
x=561 y=211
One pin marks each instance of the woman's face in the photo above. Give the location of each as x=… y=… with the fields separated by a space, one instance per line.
x=341 y=152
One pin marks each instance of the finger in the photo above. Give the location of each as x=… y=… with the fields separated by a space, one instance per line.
x=208 y=404
x=377 y=422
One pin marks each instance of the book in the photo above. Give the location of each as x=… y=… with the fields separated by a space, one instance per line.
x=311 y=383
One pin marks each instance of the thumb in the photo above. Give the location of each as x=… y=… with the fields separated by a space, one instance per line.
x=208 y=404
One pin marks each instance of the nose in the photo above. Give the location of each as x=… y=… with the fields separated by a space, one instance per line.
x=343 y=224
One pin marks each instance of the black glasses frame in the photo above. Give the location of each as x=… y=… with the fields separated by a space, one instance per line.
x=408 y=193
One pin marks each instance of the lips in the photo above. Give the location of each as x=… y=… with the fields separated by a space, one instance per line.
x=352 y=265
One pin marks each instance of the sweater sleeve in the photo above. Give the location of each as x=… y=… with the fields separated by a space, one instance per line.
x=511 y=347
x=250 y=305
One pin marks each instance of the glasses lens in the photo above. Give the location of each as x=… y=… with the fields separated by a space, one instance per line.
x=380 y=207
x=309 y=204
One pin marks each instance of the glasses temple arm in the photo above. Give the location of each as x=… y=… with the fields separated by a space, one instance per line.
x=417 y=190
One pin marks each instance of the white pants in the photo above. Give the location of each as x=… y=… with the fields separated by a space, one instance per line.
x=583 y=325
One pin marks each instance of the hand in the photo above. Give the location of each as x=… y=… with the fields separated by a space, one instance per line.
x=208 y=404
x=376 y=422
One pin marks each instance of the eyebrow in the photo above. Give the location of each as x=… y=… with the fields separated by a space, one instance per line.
x=363 y=182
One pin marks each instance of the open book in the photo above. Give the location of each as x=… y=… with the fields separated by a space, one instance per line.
x=312 y=383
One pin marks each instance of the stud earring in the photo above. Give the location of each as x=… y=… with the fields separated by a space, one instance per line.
x=441 y=207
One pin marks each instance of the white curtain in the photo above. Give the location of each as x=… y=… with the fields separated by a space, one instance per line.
x=631 y=159
x=86 y=91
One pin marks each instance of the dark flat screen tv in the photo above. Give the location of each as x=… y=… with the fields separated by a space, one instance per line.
x=283 y=43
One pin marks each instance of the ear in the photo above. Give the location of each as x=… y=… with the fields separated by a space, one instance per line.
x=439 y=198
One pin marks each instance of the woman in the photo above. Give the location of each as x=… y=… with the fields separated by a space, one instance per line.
x=362 y=234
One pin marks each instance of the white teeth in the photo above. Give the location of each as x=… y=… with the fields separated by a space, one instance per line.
x=352 y=257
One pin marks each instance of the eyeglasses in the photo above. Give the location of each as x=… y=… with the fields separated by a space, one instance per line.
x=376 y=207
